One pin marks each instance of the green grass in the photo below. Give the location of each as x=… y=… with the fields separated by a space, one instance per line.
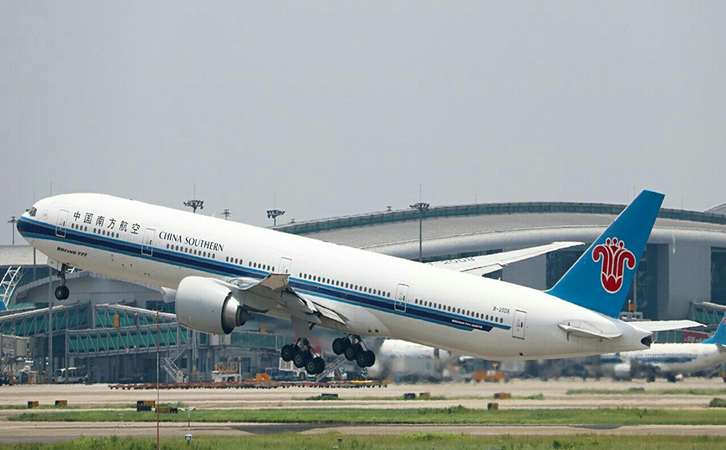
x=717 y=403
x=708 y=392
x=452 y=415
x=422 y=441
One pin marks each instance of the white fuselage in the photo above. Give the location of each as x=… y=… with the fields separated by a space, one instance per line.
x=671 y=358
x=378 y=295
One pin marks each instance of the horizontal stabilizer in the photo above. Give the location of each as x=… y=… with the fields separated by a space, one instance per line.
x=484 y=264
x=665 y=325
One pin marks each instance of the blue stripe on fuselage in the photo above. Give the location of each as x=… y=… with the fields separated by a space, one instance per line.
x=38 y=230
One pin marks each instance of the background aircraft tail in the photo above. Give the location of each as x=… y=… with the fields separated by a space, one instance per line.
x=719 y=337
x=601 y=278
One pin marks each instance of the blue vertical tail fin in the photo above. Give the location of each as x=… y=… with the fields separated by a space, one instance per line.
x=601 y=277
x=719 y=337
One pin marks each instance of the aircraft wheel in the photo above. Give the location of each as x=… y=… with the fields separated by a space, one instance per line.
x=365 y=358
x=300 y=358
x=62 y=292
x=319 y=365
x=339 y=345
x=310 y=366
x=287 y=352
x=352 y=352
x=370 y=358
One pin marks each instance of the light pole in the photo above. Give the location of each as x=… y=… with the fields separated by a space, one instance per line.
x=422 y=208
x=12 y=221
x=189 y=410
x=191 y=336
x=274 y=214
x=226 y=213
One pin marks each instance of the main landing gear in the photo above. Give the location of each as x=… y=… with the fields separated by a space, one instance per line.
x=302 y=355
x=62 y=292
x=353 y=349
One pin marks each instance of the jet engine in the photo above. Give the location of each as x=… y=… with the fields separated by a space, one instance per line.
x=204 y=305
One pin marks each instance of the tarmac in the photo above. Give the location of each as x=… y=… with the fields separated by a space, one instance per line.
x=471 y=395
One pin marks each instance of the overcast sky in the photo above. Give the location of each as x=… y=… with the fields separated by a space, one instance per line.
x=345 y=107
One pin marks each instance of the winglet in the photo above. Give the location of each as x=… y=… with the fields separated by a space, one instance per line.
x=601 y=278
x=719 y=337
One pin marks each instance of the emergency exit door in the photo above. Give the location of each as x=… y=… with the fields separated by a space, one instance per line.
x=520 y=322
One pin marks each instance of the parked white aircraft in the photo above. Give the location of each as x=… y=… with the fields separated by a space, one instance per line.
x=671 y=360
x=224 y=272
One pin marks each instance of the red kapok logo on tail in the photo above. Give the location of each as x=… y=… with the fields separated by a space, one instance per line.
x=614 y=257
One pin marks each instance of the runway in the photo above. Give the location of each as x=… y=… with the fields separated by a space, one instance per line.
x=471 y=395
x=14 y=432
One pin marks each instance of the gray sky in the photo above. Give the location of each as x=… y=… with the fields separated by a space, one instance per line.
x=345 y=107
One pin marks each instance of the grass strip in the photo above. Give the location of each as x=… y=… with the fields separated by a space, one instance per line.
x=452 y=415
x=438 y=441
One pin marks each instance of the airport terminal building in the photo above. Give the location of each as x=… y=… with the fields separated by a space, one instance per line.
x=105 y=324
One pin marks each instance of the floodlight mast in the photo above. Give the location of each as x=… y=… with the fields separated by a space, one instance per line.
x=194 y=204
x=274 y=214
x=422 y=208
x=12 y=223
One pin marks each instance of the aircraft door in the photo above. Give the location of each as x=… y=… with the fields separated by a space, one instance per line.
x=147 y=245
x=62 y=223
x=285 y=264
x=520 y=321
x=401 y=298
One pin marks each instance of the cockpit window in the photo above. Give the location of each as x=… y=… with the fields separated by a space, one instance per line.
x=32 y=211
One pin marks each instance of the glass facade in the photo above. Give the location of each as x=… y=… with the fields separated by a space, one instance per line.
x=646 y=283
x=718 y=275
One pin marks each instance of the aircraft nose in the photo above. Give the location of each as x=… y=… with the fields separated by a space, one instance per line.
x=23 y=225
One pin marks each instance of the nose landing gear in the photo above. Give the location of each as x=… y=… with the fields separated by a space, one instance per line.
x=62 y=292
x=302 y=355
x=354 y=350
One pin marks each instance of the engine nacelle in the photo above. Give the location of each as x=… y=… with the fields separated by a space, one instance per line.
x=204 y=305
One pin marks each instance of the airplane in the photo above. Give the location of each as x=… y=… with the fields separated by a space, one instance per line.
x=224 y=273
x=671 y=360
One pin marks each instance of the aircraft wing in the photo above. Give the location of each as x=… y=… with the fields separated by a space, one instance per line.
x=665 y=325
x=481 y=265
x=275 y=291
